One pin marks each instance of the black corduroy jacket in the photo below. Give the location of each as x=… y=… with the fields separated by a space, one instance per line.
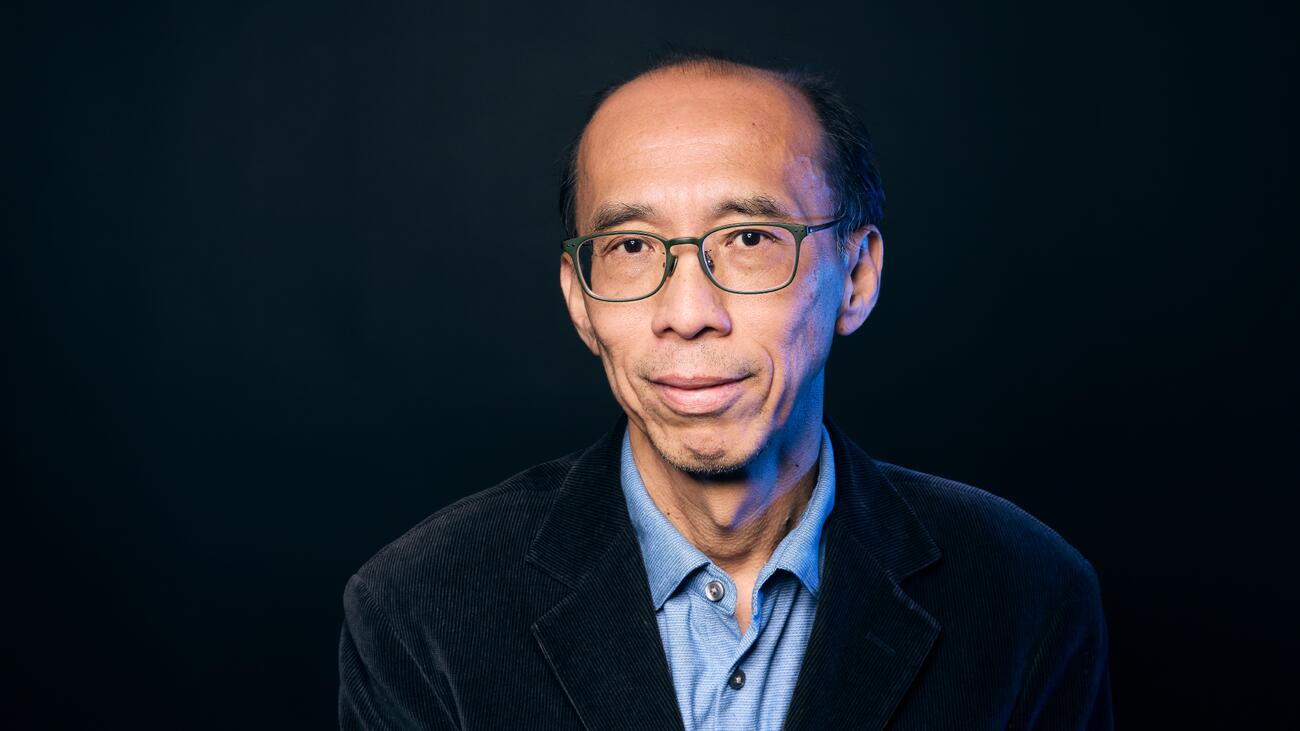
x=526 y=606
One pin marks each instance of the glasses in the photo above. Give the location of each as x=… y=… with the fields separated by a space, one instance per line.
x=741 y=258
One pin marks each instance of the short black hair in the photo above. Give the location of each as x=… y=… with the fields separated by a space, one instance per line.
x=848 y=157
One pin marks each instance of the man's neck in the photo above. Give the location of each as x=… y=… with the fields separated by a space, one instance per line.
x=736 y=521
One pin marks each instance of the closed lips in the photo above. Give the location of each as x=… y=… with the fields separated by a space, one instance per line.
x=699 y=395
x=695 y=382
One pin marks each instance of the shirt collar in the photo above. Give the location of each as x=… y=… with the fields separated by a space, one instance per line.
x=669 y=558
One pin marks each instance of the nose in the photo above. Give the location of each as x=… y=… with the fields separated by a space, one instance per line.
x=689 y=305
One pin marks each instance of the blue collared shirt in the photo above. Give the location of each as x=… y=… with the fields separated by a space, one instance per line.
x=725 y=680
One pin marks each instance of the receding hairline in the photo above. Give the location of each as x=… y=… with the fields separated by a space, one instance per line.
x=708 y=67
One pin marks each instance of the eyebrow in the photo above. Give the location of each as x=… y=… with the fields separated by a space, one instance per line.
x=756 y=205
x=610 y=215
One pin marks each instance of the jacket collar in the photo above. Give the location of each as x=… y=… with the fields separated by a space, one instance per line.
x=602 y=640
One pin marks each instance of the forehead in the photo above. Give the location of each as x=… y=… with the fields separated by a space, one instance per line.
x=681 y=134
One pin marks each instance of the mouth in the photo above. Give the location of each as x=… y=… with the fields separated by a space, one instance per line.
x=699 y=395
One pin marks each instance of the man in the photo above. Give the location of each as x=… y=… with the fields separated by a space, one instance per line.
x=724 y=558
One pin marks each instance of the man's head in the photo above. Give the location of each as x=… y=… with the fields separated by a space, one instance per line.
x=714 y=378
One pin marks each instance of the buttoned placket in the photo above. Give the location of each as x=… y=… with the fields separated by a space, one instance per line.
x=717 y=590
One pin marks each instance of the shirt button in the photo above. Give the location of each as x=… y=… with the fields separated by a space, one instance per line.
x=737 y=679
x=714 y=590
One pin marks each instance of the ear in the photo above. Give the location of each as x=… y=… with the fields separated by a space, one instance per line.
x=576 y=301
x=865 y=261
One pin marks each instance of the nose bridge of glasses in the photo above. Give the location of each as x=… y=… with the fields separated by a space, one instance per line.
x=679 y=241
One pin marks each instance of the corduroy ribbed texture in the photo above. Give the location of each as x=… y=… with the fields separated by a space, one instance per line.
x=527 y=606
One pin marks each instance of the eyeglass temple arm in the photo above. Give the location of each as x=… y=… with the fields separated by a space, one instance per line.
x=823 y=226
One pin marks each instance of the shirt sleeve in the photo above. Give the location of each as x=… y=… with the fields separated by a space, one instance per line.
x=1067 y=685
x=382 y=684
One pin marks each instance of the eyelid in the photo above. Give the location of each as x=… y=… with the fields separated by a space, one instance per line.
x=618 y=239
x=732 y=233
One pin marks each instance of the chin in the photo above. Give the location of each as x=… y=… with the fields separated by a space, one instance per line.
x=703 y=450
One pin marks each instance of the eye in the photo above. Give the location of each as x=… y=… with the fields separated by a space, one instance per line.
x=751 y=237
x=626 y=246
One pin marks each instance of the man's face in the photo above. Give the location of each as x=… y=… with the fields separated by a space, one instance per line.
x=713 y=378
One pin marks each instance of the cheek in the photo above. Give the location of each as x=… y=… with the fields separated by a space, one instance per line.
x=612 y=324
x=616 y=332
x=810 y=326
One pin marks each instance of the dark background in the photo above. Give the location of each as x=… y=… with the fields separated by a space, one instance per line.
x=282 y=281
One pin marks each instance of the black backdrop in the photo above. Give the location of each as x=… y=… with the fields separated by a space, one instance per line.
x=282 y=281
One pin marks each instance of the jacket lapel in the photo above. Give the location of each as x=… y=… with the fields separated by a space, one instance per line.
x=601 y=639
x=869 y=638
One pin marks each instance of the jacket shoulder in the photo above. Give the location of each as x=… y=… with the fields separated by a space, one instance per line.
x=483 y=534
x=974 y=527
x=1020 y=608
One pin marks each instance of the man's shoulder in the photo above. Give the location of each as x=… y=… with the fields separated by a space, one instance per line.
x=481 y=534
x=990 y=534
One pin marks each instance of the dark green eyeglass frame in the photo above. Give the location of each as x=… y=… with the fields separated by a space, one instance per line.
x=799 y=230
